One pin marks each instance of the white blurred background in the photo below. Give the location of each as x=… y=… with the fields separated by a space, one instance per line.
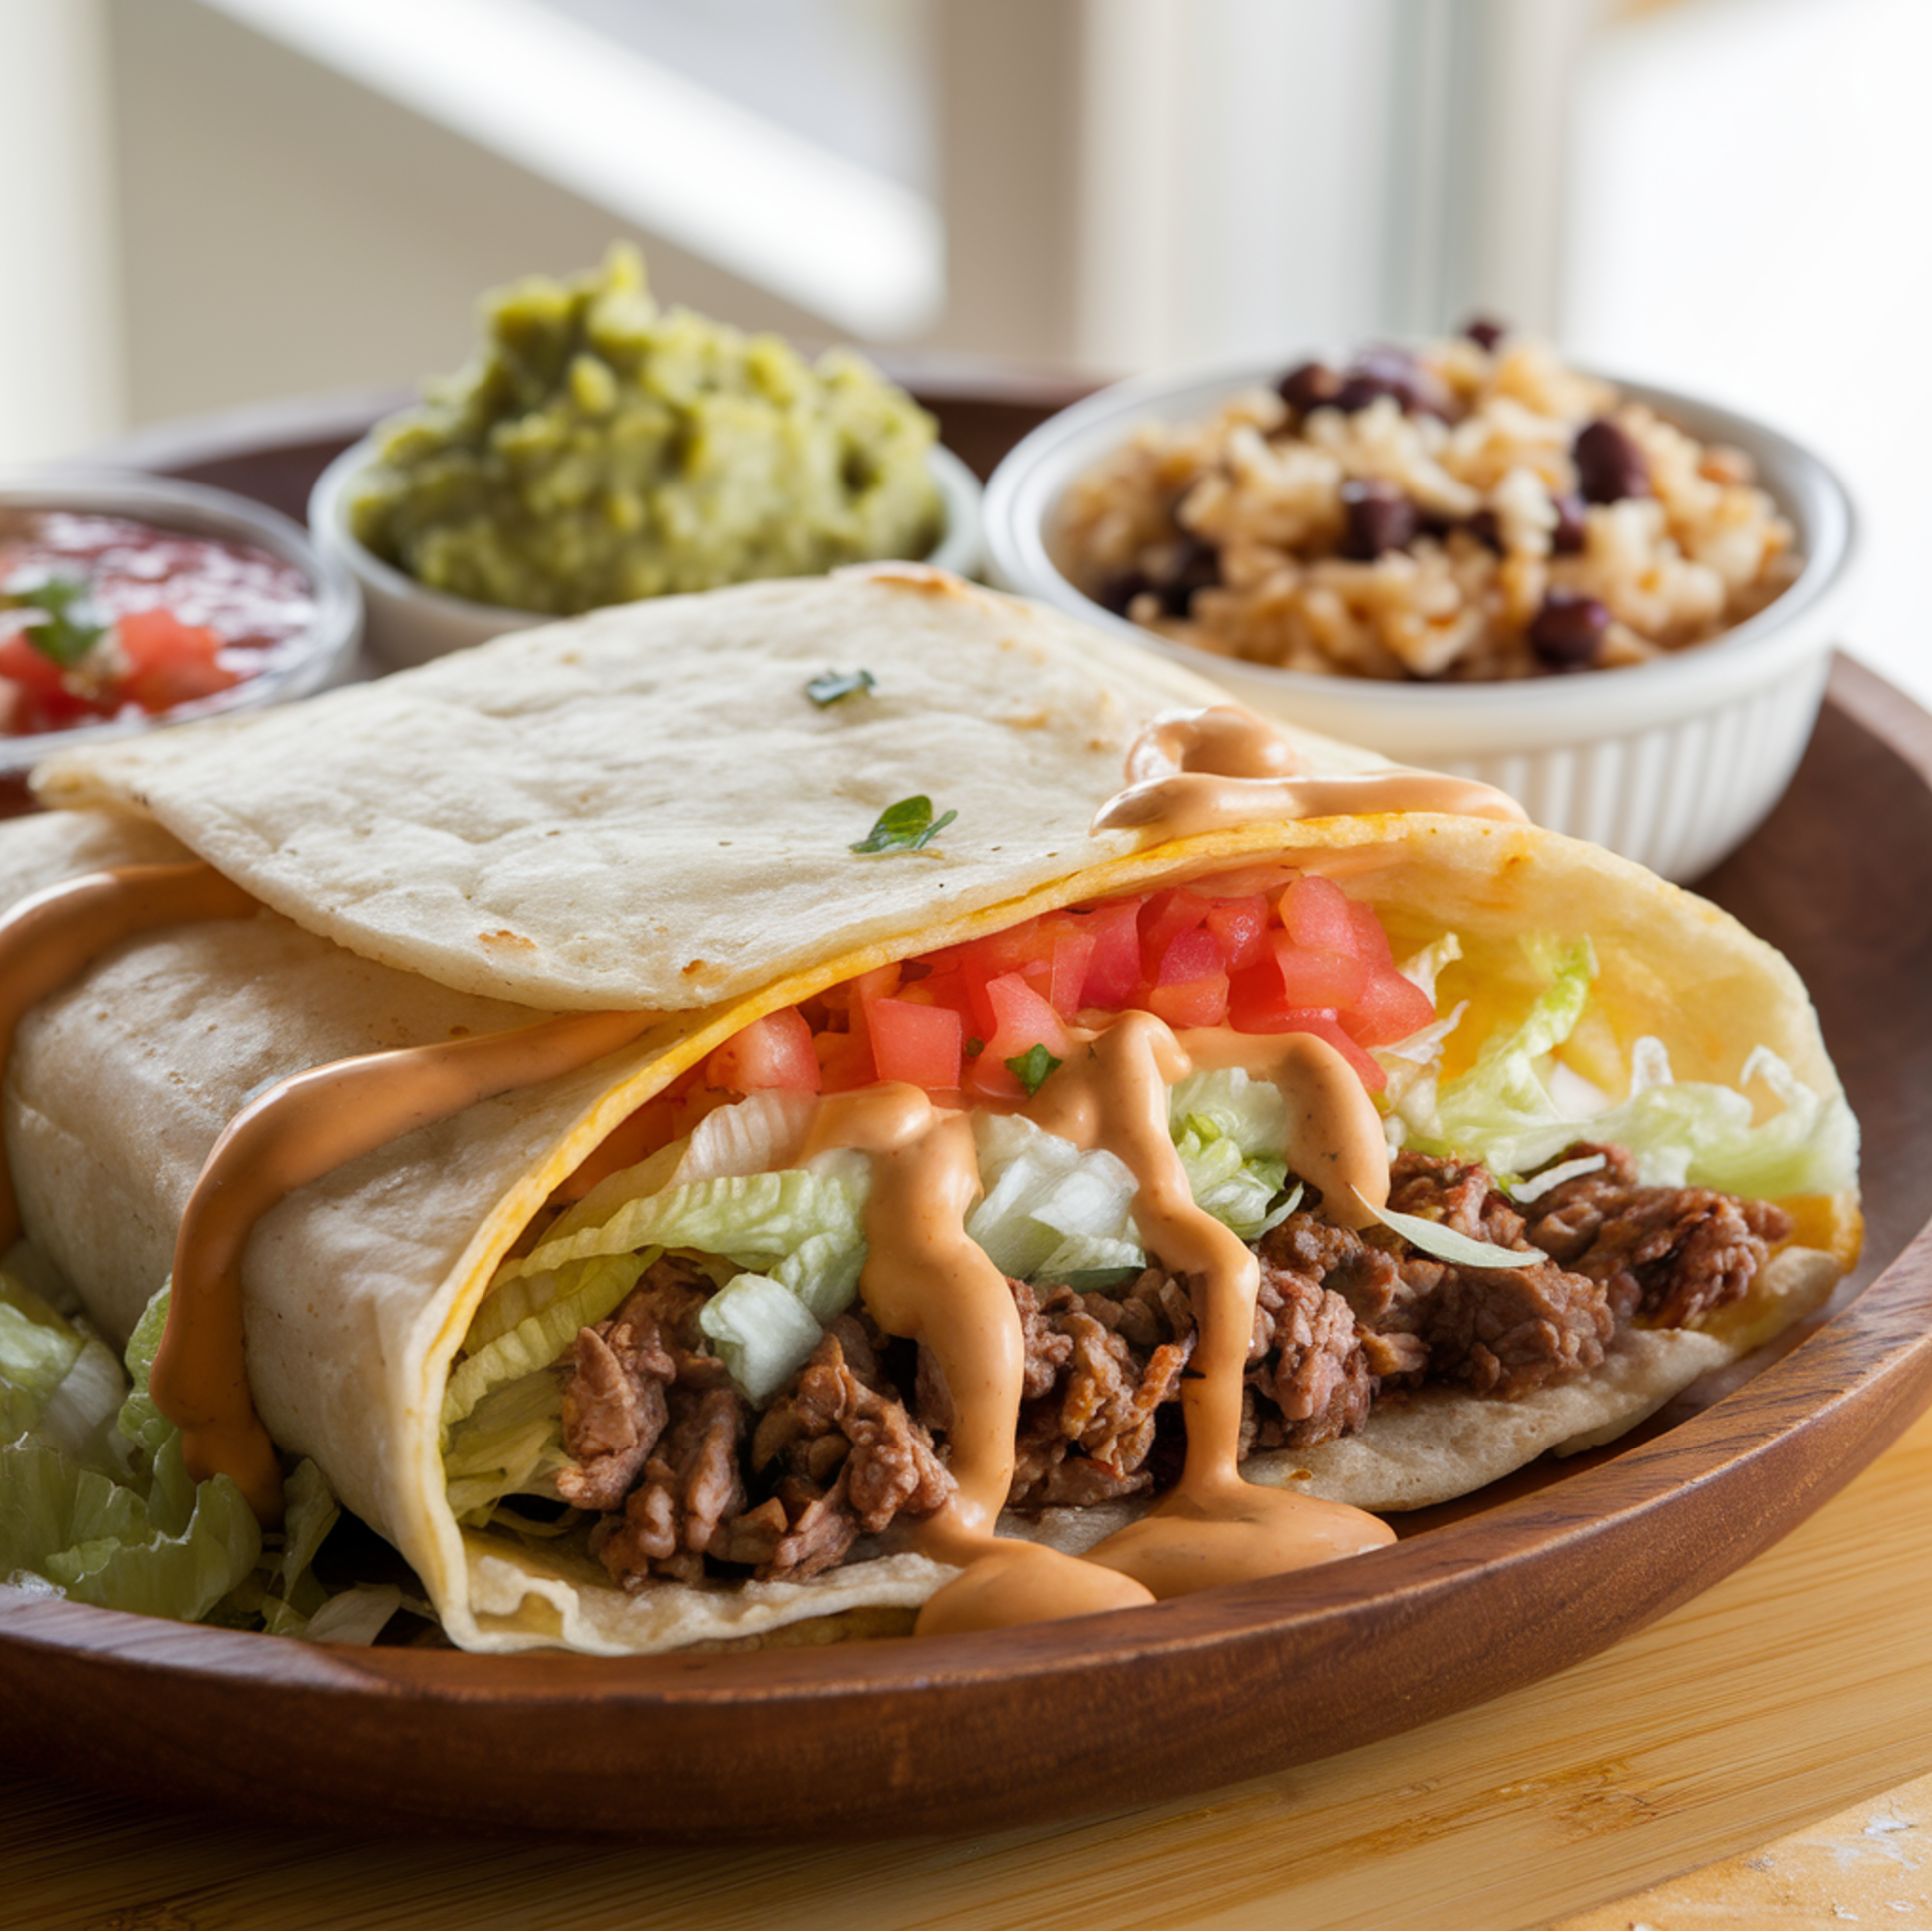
x=218 y=202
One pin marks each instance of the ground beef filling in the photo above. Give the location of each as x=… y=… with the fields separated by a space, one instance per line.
x=686 y=1479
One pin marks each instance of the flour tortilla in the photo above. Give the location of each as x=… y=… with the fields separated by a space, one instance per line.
x=347 y=818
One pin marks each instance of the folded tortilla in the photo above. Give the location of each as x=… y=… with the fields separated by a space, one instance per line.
x=644 y=811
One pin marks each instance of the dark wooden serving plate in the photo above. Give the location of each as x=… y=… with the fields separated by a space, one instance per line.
x=977 y=1732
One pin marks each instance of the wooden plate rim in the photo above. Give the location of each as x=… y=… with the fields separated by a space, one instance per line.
x=1798 y=1432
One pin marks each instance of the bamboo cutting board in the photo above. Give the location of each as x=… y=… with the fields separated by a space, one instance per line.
x=1798 y=1685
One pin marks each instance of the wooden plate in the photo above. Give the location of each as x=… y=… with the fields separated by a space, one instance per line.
x=976 y=1732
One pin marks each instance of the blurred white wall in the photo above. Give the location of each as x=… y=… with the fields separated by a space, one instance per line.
x=286 y=230
x=1749 y=220
x=60 y=334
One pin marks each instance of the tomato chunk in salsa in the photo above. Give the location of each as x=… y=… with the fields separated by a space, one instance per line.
x=105 y=618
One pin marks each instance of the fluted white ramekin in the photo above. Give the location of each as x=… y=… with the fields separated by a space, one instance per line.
x=1674 y=762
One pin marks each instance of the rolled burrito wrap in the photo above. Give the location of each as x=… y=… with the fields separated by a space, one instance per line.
x=641 y=810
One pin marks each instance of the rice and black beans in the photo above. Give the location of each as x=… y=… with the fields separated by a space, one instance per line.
x=1467 y=511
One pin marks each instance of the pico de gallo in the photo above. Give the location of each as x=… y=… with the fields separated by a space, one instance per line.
x=989 y=1019
x=104 y=617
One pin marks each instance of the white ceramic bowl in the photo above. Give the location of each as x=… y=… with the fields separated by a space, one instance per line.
x=1674 y=762
x=320 y=656
x=409 y=624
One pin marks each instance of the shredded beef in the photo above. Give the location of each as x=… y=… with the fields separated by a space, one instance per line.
x=1307 y=1357
x=1499 y=1331
x=685 y=1475
x=1674 y=1253
x=852 y=1458
x=615 y=1402
x=691 y=1485
x=1087 y=1417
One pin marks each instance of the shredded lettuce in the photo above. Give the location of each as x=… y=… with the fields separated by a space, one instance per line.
x=584 y=1293
x=96 y=1502
x=511 y=1443
x=762 y=1331
x=1048 y=1208
x=1514 y=1109
x=1230 y=1129
x=751 y=1220
x=1448 y=1244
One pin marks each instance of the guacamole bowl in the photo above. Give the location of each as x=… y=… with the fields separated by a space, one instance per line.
x=408 y=623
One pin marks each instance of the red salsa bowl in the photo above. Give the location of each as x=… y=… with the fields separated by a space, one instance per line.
x=130 y=602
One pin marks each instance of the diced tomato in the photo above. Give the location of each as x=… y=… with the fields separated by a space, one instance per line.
x=1241 y=925
x=1022 y=1019
x=1316 y=915
x=1317 y=978
x=775 y=1051
x=43 y=703
x=169 y=662
x=1372 y=942
x=1114 y=969
x=1257 y=1002
x=844 y=1062
x=1192 y=954
x=918 y=1043
x=1190 y=1002
x=1389 y=1008
x=22 y=664
x=1073 y=952
x=1163 y=918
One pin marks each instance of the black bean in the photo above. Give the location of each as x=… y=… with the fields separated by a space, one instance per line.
x=1610 y=466
x=1484 y=331
x=1568 y=632
x=1307 y=385
x=1567 y=538
x=1358 y=391
x=1196 y=567
x=1118 y=592
x=1394 y=372
x=1380 y=518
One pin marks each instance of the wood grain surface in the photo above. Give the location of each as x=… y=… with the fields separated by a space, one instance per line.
x=1797 y=1685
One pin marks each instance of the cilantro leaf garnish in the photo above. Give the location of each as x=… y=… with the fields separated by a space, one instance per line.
x=1032 y=1067
x=906 y=826
x=69 y=631
x=835 y=684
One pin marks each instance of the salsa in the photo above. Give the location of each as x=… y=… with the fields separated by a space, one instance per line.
x=104 y=617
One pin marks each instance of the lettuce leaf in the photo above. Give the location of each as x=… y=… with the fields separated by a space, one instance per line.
x=1049 y=1208
x=1229 y=1130
x=96 y=1502
x=1514 y=1108
x=177 y=1551
x=586 y=1292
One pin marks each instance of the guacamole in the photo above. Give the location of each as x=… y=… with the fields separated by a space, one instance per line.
x=600 y=448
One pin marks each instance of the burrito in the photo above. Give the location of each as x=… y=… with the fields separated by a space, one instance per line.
x=840 y=1107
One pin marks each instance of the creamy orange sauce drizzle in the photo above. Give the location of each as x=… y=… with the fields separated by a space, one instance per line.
x=926 y=1279
x=1208 y=770
x=51 y=937
x=296 y=1132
